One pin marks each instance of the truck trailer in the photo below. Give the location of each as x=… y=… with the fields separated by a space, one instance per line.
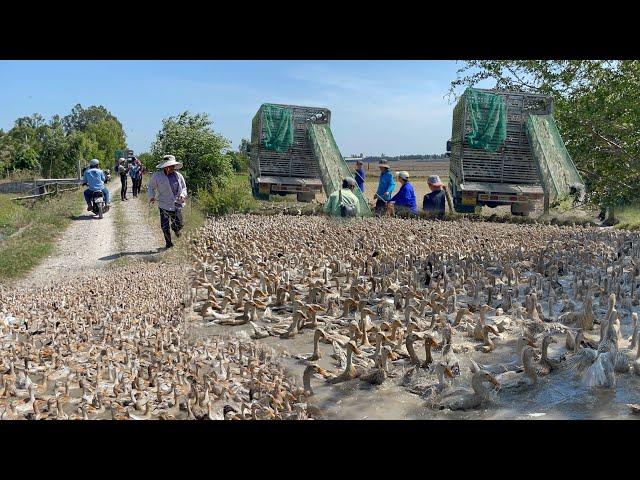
x=506 y=150
x=281 y=156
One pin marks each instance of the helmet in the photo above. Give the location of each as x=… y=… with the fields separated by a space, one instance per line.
x=94 y=162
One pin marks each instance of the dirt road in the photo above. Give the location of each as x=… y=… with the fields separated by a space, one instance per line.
x=90 y=243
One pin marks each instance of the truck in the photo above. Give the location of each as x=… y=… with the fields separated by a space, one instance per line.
x=505 y=149
x=281 y=154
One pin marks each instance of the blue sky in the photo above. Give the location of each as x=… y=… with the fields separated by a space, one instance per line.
x=391 y=107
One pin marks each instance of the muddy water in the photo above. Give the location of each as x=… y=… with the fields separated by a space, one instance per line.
x=559 y=395
x=555 y=396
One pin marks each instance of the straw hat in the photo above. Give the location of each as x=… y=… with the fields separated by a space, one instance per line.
x=383 y=163
x=168 y=161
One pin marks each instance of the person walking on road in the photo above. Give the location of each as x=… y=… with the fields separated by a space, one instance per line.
x=171 y=190
x=122 y=171
x=135 y=172
x=386 y=186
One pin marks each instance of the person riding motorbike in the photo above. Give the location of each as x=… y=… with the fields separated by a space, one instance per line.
x=94 y=178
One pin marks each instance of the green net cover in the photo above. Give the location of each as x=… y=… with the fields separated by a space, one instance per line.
x=557 y=171
x=488 y=120
x=277 y=123
x=331 y=165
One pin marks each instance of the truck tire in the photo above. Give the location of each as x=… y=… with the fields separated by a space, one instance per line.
x=519 y=212
x=306 y=197
x=256 y=192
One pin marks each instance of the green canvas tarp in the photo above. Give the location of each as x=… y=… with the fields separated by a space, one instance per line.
x=488 y=118
x=332 y=166
x=277 y=124
x=557 y=171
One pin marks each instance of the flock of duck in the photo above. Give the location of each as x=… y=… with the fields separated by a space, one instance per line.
x=494 y=307
x=113 y=344
x=456 y=313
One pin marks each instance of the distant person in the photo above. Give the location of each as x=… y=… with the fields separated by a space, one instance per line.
x=171 y=190
x=94 y=178
x=343 y=202
x=135 y=172
x=386 y=185
x=433 y=203
x=360 y=174
x=405 y=199
x=122 y=171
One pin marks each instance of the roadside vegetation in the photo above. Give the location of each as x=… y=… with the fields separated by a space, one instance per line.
x=28 y=231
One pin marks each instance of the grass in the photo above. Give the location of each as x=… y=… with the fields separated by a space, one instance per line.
x=629 y=217
x=28 y=231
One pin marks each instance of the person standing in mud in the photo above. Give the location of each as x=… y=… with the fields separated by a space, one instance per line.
x=171 y=190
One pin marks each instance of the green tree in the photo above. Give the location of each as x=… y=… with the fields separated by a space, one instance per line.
x=192 y=140
x=597 y=108
x=26 y=158
x=109 y=137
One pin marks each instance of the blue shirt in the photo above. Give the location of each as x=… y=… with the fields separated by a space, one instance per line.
x=360 y=178
x=94 y=178
x=134 y=171
x=387 y=185
x=406 y=197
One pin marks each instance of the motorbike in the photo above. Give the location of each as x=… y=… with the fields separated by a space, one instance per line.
x=98 y=206
x=107 y=176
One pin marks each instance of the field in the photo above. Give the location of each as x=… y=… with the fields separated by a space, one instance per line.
x=416 y=169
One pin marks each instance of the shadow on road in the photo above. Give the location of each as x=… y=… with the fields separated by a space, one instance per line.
x=83 y=217
x=115 y=256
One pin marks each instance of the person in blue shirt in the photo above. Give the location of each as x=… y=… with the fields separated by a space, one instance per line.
x=405 y=199
x=386 y=185
x=360 y=175
x=94 y=178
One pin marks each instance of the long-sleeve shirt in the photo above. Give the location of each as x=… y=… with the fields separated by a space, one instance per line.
x=168 y=194
x=135 y=171
x=386 y=185
x=332 y=207
x=360 y=178
x=434 y=203
x=406 y=197
x=94 y=178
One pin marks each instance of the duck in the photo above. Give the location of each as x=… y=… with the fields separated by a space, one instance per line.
x=547 y=364
x=488 y=343
x=379 y=373
x=516 y=379
x=350 y=371
x=430 y=389
x=468 y=399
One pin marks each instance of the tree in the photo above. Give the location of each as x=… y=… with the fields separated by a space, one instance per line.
x=191 y=139
x=80 y=118
x=26 y=158
x=596 y=108
x=109 y=137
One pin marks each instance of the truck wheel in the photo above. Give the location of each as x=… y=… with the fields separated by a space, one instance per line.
x=519 y=211
x=256 y=192
x=306 y=197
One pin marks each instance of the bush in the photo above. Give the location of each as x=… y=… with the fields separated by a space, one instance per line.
x=234 y=197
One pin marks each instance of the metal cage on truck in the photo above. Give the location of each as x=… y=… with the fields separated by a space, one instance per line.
x=508 y=176
x=292 y=171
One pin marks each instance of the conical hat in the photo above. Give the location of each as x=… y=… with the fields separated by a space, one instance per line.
x=167 y=161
